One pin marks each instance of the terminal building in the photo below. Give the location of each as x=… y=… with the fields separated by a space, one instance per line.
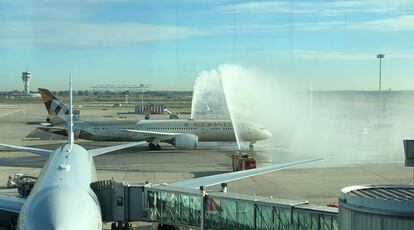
x=377 y=207
x=149 y=108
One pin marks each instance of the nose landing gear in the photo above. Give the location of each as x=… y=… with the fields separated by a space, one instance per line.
x=154 y=145
x=251 y=146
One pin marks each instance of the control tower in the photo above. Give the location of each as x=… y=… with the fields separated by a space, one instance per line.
x=26 y=76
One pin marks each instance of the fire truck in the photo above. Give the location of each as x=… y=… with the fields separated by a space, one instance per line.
x=243 y=161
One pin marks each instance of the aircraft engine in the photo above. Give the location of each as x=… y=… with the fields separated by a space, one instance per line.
x=185 y=141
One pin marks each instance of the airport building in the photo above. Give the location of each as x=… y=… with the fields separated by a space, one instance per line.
x=149 y=108
x=377 y=207
x=25 y=93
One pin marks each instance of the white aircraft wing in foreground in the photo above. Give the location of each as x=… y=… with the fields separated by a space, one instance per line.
x=232 y=176
x=41 y=152
x=100 y=151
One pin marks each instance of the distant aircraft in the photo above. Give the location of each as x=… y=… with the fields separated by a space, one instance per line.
x=171 y=115
x=62 y=197
x=183 y=134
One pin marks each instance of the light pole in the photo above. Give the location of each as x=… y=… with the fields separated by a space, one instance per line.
x=380 y=57
x=142 y=96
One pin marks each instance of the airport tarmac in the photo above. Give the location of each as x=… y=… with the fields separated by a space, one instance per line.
x=318 y=183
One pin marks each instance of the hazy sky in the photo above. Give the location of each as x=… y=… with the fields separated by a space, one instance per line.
x=332 y=44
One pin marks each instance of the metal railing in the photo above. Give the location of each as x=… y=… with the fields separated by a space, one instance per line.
x=179 y=207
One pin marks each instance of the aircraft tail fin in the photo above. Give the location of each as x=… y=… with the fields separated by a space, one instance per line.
x=57 y=111
x=71 y=136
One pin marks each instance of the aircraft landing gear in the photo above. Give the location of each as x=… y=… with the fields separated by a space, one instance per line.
x=121 y=226
x=251 y=146
x=154 y=147
x=166 y=227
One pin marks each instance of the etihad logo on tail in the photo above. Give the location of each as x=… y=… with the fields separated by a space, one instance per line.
x=56 y=109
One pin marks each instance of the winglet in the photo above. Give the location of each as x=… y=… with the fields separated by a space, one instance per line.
x=70 y=125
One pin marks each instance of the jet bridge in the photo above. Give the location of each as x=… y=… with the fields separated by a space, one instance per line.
x=120 y=202
x=174 y=206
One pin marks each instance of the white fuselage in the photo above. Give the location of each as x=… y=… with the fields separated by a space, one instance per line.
x=205 y=130
x=62 y=197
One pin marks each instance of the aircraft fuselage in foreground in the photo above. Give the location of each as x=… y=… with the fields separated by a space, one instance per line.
x=62 y=195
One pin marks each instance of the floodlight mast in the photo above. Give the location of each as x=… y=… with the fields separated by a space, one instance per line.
x=142 y=87
x=380 y=57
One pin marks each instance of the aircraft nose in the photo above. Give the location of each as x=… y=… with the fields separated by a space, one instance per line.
x=267 y=134
x=61 y=208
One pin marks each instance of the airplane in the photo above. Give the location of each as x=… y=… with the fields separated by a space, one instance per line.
x=183 y=134
x=171 y=115
x=62 y=197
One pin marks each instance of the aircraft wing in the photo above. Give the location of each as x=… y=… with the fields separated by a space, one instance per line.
x=100 y=151
x=148 y=135
x=232 y=176
x=11 y=204
x=152 y=134
x=54 y=130
x=51 y=128
x=41 y=152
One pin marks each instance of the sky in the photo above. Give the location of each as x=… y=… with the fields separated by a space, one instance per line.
x=331 y=45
